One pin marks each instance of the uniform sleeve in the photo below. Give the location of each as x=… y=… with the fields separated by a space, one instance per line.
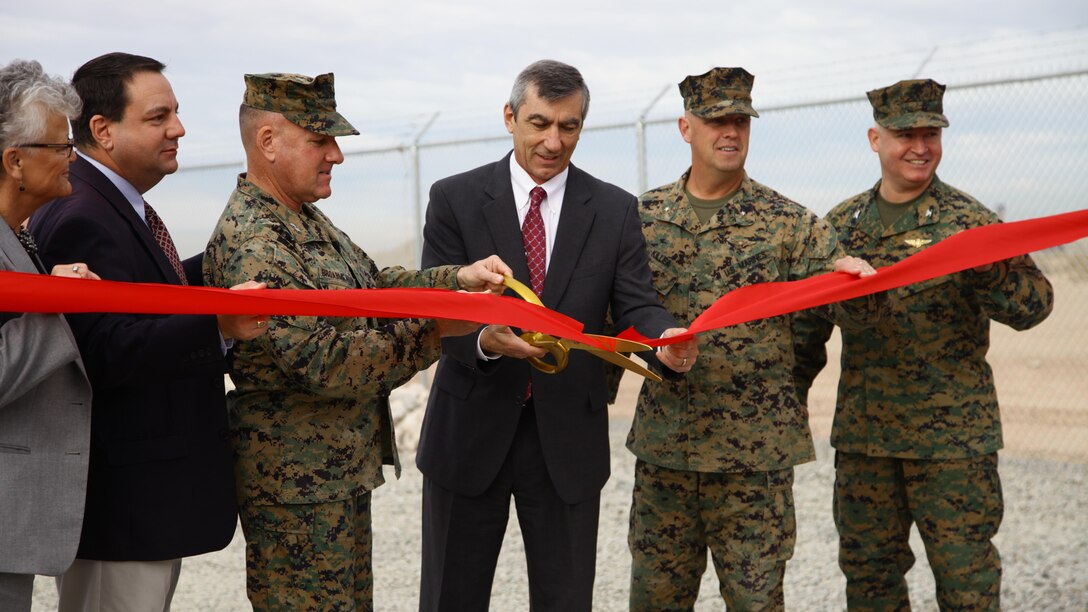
x=1014 y=292
x=812 y=328
x=328 y=359
x=441 y=277
x=818 y=253
x=810 y=335
x=444 y=246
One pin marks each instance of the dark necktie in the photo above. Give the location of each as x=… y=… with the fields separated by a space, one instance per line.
x=162 y=237
x=535 y=241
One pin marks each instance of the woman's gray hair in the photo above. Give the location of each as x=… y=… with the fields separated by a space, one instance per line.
x=553 y=80
x=28 y=96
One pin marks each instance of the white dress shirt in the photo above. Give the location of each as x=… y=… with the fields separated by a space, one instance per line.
x=550 y=208
x=556 y=187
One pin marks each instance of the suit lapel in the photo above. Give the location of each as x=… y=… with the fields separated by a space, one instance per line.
x=12 y=254
x=575 y=221
x=14 y=257
x=121 y=206
x=501 y=214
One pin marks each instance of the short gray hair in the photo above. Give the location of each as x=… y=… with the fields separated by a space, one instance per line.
x=553 y=80
x=28 y=96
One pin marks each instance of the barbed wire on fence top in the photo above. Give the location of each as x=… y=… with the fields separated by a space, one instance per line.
x=991 y=60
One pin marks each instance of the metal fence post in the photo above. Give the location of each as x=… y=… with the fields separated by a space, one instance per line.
x=417 y=187
x=417 y=208
x=640 y=139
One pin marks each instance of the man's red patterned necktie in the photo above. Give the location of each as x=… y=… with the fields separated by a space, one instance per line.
x=162 y=237
x=536 y=243
x=536 y=246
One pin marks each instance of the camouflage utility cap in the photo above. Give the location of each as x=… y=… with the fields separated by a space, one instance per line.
x=307 y=102
x=720 y=92
x=909 y=104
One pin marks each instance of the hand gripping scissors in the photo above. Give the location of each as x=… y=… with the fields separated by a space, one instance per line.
x=560 y=348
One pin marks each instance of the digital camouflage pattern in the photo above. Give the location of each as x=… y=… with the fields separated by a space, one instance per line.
x=310 y=557
x=737 y=409
x=309 y=103
x=917 y=385
x=735 y=417
x=309 y=417
x=957 y=505
x=719 y=92
x=916 y=420
x=676 y=515
x=909 y=104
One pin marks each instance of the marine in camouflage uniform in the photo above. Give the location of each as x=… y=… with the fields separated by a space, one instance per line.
x=917 y=426
x=716 y=448
x=309 y=417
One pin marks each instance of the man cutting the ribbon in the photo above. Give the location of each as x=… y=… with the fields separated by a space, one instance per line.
x=495 y=427
x=917 y=426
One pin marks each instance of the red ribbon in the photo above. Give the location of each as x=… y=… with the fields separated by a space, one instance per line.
x=21 y=292
x=967 y=249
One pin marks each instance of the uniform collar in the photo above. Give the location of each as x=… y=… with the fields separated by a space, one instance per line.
x=927 y=211
x=677 y=209
x=305 y=224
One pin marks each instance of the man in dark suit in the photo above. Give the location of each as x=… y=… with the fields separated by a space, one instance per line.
x=488 y=434
x=160 y=484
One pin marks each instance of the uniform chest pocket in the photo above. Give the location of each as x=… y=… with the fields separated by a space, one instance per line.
x=664 y=274
x=758 y=264
x=328 y=269
x=335 y=278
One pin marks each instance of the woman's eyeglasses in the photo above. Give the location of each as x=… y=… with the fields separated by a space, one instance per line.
x=64 y=148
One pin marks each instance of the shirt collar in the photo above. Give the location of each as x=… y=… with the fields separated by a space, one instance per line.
x=523 y=184
x=127 y=190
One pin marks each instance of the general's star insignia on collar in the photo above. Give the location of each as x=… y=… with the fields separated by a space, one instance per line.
x=917 y=242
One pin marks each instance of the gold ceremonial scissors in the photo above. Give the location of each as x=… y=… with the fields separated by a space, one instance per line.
x=559 y=348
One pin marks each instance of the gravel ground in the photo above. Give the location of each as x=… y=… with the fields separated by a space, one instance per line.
x=1043 y=541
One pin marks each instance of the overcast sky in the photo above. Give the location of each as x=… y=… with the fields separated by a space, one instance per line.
x=397 y=63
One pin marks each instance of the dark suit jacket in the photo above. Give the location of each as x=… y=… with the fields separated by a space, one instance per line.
x=599 y=261
x=161 y=482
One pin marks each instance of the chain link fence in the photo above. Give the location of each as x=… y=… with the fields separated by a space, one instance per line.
x=1019 y=145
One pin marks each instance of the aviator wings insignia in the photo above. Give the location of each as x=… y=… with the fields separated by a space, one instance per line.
x=918 y=242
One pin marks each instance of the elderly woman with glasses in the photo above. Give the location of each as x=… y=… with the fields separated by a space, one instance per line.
x=45 y=398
